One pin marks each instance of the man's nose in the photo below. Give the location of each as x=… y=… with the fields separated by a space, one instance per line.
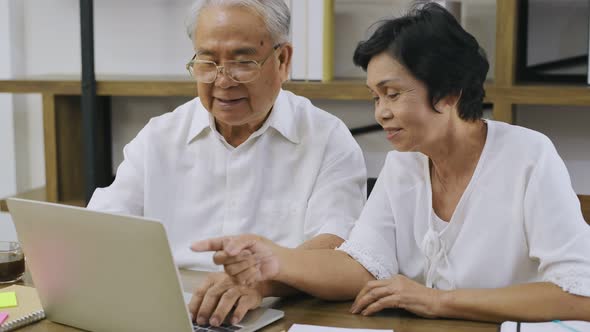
x=223 y=79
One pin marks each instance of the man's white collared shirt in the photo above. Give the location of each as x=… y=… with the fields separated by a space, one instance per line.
x=301 y=174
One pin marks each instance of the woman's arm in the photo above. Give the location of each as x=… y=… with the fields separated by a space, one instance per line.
x=542 y=301
x=324 y=273
x=215 y=298
x=279 y=289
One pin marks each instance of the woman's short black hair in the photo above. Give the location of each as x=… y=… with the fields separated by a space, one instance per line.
x=433 y=47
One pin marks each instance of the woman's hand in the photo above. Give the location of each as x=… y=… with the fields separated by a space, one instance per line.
x=247 y=259
x=398 y=292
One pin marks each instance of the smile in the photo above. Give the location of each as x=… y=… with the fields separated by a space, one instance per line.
x=392 y=132
x=229 y=102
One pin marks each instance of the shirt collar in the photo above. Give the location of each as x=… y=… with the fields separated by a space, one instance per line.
x=200 y=121
x=282 y=118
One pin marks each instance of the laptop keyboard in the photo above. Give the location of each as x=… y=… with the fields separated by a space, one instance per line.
x=222 y=328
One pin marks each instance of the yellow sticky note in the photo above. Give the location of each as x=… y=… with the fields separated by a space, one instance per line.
x=8 y=299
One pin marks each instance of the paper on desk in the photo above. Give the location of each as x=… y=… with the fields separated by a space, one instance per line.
x=315 y=328
x=3 y=317
x=564 y=326
x=8 y=299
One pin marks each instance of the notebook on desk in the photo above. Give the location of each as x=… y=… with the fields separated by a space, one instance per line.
x=104 y=272
x=27 y=311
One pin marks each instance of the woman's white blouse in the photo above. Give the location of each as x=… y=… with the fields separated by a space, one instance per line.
x=518 y=220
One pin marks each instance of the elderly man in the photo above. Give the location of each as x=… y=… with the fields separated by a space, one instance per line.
x=244 y=157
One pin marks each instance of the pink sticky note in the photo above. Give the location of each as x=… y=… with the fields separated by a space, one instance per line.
x=3 y=317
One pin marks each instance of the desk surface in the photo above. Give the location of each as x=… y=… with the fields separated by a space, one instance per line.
x=307 y=310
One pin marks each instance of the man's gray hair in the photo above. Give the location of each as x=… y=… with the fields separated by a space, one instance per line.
x=274 y=13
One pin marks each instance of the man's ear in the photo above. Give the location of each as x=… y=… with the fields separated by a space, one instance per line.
x=285 y=58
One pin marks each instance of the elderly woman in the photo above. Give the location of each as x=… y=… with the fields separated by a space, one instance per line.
x=470 y=218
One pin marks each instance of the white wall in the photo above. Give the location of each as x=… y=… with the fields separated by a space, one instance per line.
x=7 y=156
x=148 y=37
x=9 y=65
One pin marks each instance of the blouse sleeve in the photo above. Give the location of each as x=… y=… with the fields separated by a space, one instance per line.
x=372 y=240
x=556 y=232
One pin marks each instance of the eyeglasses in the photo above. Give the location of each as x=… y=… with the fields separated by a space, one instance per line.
x=239 y=71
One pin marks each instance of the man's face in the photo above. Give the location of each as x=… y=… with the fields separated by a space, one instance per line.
x=233 y=33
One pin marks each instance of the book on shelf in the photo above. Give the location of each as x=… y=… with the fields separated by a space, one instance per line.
x=299 y=39
x=312 y=36
x=320 y=48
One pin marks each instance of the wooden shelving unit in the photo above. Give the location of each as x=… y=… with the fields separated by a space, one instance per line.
x=140 y=86
x=145 y=86
x=62 y=118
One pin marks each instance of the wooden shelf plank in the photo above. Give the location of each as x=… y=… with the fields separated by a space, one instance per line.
x=179 y=86
x=537 y=94
x=35 y=194
x=38 y=194
x=520 y=94
x=40 y=86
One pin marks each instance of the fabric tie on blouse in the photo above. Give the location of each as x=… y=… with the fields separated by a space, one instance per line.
x=436 y=252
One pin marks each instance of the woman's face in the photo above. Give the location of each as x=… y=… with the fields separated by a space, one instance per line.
x=402 y=106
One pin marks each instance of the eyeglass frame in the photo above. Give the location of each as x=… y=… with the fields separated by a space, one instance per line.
x=220 y=68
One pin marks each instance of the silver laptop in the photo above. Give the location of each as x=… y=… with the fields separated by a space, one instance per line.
x=104 y=272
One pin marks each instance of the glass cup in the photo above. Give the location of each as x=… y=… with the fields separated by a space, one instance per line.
x=12 y=262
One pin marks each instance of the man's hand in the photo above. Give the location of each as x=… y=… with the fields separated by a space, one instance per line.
x=213 y=300
x=247 y=259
